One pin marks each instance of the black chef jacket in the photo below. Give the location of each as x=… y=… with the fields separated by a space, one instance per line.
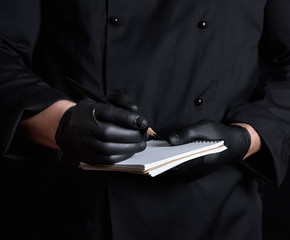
x=182 y=61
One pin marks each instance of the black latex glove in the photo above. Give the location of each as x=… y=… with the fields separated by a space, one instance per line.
x=100 y=133
x=237 y=139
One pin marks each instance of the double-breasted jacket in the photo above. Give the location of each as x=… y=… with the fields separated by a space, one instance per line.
x=182 y=61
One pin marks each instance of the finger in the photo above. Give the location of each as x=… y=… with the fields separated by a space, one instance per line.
x=119 y=116
x=202 y=130
x=183 y=136
x=186 y=171
x=112 y=148
x=99 y=159
x=109 y=132
x=112 y=159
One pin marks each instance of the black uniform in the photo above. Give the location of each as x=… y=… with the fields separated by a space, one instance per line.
x=182 y=61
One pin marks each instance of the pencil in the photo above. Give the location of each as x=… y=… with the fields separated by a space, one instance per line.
x=75 y=85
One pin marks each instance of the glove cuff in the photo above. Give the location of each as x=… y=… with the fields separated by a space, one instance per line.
x=246 y=141
x=61 y=129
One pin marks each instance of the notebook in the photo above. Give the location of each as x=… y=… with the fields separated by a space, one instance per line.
x=159 y=157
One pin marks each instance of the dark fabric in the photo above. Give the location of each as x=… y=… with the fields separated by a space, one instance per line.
x=182 y=61
x=213 y=207
x=276 y=211
x=23 y=93
x=54 y=202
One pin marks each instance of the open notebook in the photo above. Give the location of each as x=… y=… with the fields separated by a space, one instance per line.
x=159 y=157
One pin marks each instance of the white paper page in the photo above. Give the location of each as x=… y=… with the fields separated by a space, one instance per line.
x=156 y=171
x=160 y=152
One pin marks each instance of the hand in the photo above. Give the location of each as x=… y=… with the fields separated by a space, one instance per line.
x=237 y=139
x=101 y=133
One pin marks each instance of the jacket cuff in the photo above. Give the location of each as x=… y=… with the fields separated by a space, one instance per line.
x=271 y=162
x=33 y=103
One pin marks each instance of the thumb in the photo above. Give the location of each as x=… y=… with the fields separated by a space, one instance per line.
x=188 y=134
x=181 y=136
x=124 y=101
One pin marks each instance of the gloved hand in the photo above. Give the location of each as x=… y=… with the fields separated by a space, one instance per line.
x=237 y=139
x=100 y=133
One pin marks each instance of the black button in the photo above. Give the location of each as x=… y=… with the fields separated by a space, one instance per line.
x=117 y=21
x=198 y=101
x=202 y=24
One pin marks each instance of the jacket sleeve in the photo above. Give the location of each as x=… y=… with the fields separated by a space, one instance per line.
x=269 y=112
x=22 y=92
